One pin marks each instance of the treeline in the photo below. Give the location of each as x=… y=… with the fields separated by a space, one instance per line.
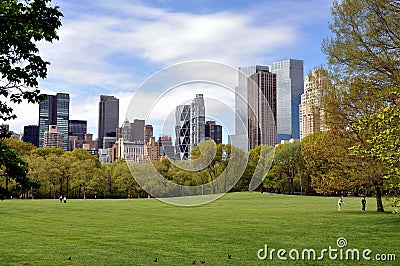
x=320 y=164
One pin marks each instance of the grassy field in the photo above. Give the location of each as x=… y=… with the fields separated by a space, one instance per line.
x=135 y=232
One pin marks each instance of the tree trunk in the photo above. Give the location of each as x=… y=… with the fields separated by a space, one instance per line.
x=61 y=188
x=379 y=205
x=67 y=188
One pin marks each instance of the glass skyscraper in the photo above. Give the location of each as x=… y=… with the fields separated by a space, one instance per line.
x=290 y=86
x=78 y=128
x=54 y=110
x=182 y=132
x=262 y=109
x=197 y=121
x=108 y=118
x=242 y=103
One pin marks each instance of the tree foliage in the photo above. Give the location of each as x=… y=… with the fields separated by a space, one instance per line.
x=363 y=54
x=13 y=172
x=22 y=25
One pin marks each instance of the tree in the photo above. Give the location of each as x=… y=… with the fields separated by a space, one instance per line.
x=290 y=162
x=21 y=26
x=22 y=148
x=329 y=163
x=13 y=168
x=363 y=54
x=383 y=143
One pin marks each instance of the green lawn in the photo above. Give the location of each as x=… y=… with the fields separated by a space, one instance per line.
x=135 y=232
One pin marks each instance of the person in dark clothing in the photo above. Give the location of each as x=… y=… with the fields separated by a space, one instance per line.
x=363 y=204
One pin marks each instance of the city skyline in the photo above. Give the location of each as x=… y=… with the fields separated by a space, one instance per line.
x=104 y=49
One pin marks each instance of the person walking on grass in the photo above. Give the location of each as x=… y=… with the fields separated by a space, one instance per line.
x=340 y=203
x=363 y=204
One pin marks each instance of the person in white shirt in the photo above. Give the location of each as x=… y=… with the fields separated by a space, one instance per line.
x=340 y=203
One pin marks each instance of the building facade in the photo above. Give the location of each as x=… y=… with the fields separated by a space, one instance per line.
x=262 y=109
x=133 y=131
x=290 y=86
x=213 y=131
x=88 y=143
x=148 y=133
x=197 y=121
x=77 y=131
x=131 y=151
x=53 y=138
x=241 y=103
x=152 y=150
x=54 y=110
x=166 y=147
x=182 y=132
x=108 y=118
x=77 y=128
x=31 y=135
x=311 y=111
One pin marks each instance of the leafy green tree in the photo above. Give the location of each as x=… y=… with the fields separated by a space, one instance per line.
x=363 y=54
x=35 y=173
x=124 y=180
x=22 y=25
x=213 y=165
x=289 y=161
x=13 y=170
x=383 y=143
x=258 y=162
x=22 y=148
x=329 y=163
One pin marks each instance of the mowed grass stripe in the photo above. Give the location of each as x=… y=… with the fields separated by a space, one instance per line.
x=135 y=232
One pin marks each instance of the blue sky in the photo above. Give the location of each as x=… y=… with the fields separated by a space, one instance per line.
x=111 y=47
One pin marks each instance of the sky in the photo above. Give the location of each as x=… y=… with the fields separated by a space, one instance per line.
x=114 y=47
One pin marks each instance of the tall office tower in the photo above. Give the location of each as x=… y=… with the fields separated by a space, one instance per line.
x=311 y=111
x=197 y=121
x=241 y=102
x=182 y=132
x=53 y=138
x=78 y=128
x=290 y=86
x=108 y=118
x=31 y=134
x=261 y=96
x=148 y=133
x=54 y=110
x=133 y=132
x=77 y=131
x=213 y=131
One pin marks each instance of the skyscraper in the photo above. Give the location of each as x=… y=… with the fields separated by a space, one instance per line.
x=31 y=134
x=197 y=121
x=182 y=131
x=108 y=118
x=77 y=131
x=78 y=128
x=241 y=101
x=262 y=109
x=148 y=133
x=290 y=86
x=166 y=147
x=133 y=132
x=54 y=110
x=311 y=111
x=213 y=131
